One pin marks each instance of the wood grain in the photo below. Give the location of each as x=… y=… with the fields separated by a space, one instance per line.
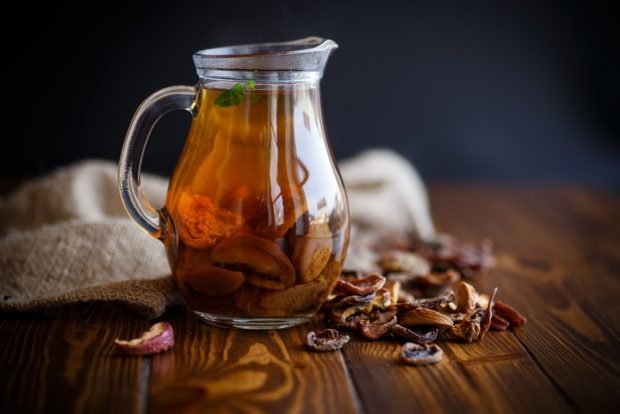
x=223 y=370
x=22 y=358
x=558 y=263
x=495 y=375
x=68 y=363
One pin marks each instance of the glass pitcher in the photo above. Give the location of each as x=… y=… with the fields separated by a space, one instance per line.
x=256 y=222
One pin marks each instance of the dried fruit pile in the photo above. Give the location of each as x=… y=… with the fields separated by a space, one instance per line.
x=415 y=301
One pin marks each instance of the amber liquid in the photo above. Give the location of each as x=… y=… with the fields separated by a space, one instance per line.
x=258 y=208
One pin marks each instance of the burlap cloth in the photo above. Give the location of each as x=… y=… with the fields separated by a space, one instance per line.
x=65 y=238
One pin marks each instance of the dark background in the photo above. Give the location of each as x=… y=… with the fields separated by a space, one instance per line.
x=468 y=90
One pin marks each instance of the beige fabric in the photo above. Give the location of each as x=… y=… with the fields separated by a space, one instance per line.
x=385 y=192
x=65 y=238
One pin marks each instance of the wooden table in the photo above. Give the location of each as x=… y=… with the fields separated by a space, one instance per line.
x=558 y=253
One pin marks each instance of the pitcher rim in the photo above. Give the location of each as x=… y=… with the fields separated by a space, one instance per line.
x=308 y=44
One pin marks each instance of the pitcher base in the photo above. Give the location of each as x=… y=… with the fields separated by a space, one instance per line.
x=253 y=323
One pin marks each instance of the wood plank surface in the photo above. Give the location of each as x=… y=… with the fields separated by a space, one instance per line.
x=558 y=253
x=223 y=370
x=67 y=362
x=558 y=262
x=496 y=375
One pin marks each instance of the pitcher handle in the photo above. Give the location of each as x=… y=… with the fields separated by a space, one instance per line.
x=148 y=113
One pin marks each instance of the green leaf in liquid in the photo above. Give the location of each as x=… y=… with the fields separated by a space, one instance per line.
x=234 y=95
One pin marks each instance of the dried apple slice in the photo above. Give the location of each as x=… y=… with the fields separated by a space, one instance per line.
x=246 y=300
x=378 y=325
x=212 y=280
x=326 y=340
x=312 y=252
x=425 y=354
x=485 y=323
x=159 y=338
x=297 y=297
x=422 y=335
x=270 y=268
x=201 y=223
x=468 y=330
x=343 y=313
x=285 y=212
x=191 y=258
x=267 y=281
x=363 y=286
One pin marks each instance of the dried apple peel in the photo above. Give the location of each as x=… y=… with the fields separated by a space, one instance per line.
x=159 y=338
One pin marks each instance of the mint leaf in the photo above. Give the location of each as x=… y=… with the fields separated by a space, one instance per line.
x=250 y=84
x=235 y=95
x=226 y=99
x=237 y=89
